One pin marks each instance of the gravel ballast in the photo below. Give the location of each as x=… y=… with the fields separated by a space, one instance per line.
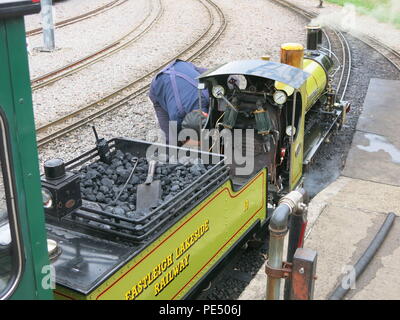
x=159 y=45
x=65 y=10
x=356 y=23
x=78 y=40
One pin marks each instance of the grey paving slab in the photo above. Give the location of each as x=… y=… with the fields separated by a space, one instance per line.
x=374 y=158
x=381 y=110
x=375 y=150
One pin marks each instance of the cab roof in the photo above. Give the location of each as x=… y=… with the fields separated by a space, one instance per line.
x=284 y=73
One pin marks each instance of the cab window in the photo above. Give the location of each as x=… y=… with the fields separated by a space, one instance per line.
x=10 y=246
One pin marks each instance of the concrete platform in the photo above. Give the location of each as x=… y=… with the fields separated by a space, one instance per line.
x=375 y=152
x=344 y=217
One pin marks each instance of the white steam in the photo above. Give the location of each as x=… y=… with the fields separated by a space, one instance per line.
x=387 y=12
x=347 y=19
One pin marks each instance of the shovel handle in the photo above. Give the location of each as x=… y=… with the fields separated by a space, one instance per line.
x=150 y=174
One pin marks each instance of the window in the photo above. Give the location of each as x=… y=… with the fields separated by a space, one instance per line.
x=10 y=244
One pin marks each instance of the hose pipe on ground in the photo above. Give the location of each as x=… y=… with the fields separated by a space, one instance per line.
x=366 y=258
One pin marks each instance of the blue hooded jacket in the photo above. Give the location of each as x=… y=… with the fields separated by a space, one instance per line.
x=174 y=93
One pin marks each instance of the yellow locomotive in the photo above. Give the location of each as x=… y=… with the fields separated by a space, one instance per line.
x=174 y=249
x=291 y=107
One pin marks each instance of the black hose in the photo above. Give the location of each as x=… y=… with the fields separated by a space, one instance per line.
x=366 y=258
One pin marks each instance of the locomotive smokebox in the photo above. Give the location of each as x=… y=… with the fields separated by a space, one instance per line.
x=292 y=54
x=314 y=37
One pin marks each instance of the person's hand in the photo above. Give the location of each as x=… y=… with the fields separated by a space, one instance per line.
x=191 y=144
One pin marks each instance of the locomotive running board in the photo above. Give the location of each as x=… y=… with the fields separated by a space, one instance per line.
x=314 y=138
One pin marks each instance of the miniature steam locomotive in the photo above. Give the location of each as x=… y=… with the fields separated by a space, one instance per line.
x=99 y=245
x=171 y=251
x=291 y=107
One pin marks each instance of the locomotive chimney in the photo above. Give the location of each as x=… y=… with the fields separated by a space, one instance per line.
x=314 y=37
x=292 y=54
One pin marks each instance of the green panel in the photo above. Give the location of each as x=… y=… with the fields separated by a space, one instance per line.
x=16 y=99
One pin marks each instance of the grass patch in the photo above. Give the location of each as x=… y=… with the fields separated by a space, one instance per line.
x=382 y=10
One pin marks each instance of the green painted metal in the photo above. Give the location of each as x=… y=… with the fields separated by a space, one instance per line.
x=16 y=102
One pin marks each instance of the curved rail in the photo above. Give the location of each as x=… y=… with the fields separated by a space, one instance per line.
x=386 y=51
x=84 y=16
x=345 y=49
x=129 y=92
x=116 y=46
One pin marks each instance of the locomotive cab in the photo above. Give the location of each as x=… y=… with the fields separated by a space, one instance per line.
x=278 y=114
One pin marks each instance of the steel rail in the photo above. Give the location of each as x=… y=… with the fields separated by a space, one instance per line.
x=387 y=52
x=116 y=46
x=125 y=97
x=390 y=54
x=345 y=75
x=349 y=59
x=84 y=16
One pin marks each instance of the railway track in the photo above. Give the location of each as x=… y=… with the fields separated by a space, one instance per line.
x=84 y=16
x=343 y=50
x=337 y=45
x=86 y=114
x=386 y=51
x=118 y=45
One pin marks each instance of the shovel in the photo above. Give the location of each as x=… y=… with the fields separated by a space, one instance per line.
x=149 y=192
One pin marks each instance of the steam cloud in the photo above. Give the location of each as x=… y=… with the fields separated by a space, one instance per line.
x=347 y=20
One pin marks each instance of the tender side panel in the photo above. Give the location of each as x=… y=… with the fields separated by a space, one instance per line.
x=170 y=267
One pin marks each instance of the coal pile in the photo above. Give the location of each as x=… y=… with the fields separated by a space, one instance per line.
x=102 y=183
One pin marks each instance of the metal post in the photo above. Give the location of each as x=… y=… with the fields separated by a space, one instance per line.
x=275 y=252
x=321 y=4
x=303 y=276
x=275 y=268
x=298 y=223
x=47 y=25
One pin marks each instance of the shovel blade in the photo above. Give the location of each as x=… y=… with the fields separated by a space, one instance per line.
x=148 y=195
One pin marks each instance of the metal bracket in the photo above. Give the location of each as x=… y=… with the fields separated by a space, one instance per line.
x=279 y=273
x=303 y=275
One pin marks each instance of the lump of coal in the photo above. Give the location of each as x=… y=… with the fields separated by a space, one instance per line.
x=196 y=170
x=107 y=182
x=118 y=211
x=175 y=188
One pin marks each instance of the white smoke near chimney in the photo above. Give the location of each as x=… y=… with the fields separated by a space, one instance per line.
x=347 y=19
